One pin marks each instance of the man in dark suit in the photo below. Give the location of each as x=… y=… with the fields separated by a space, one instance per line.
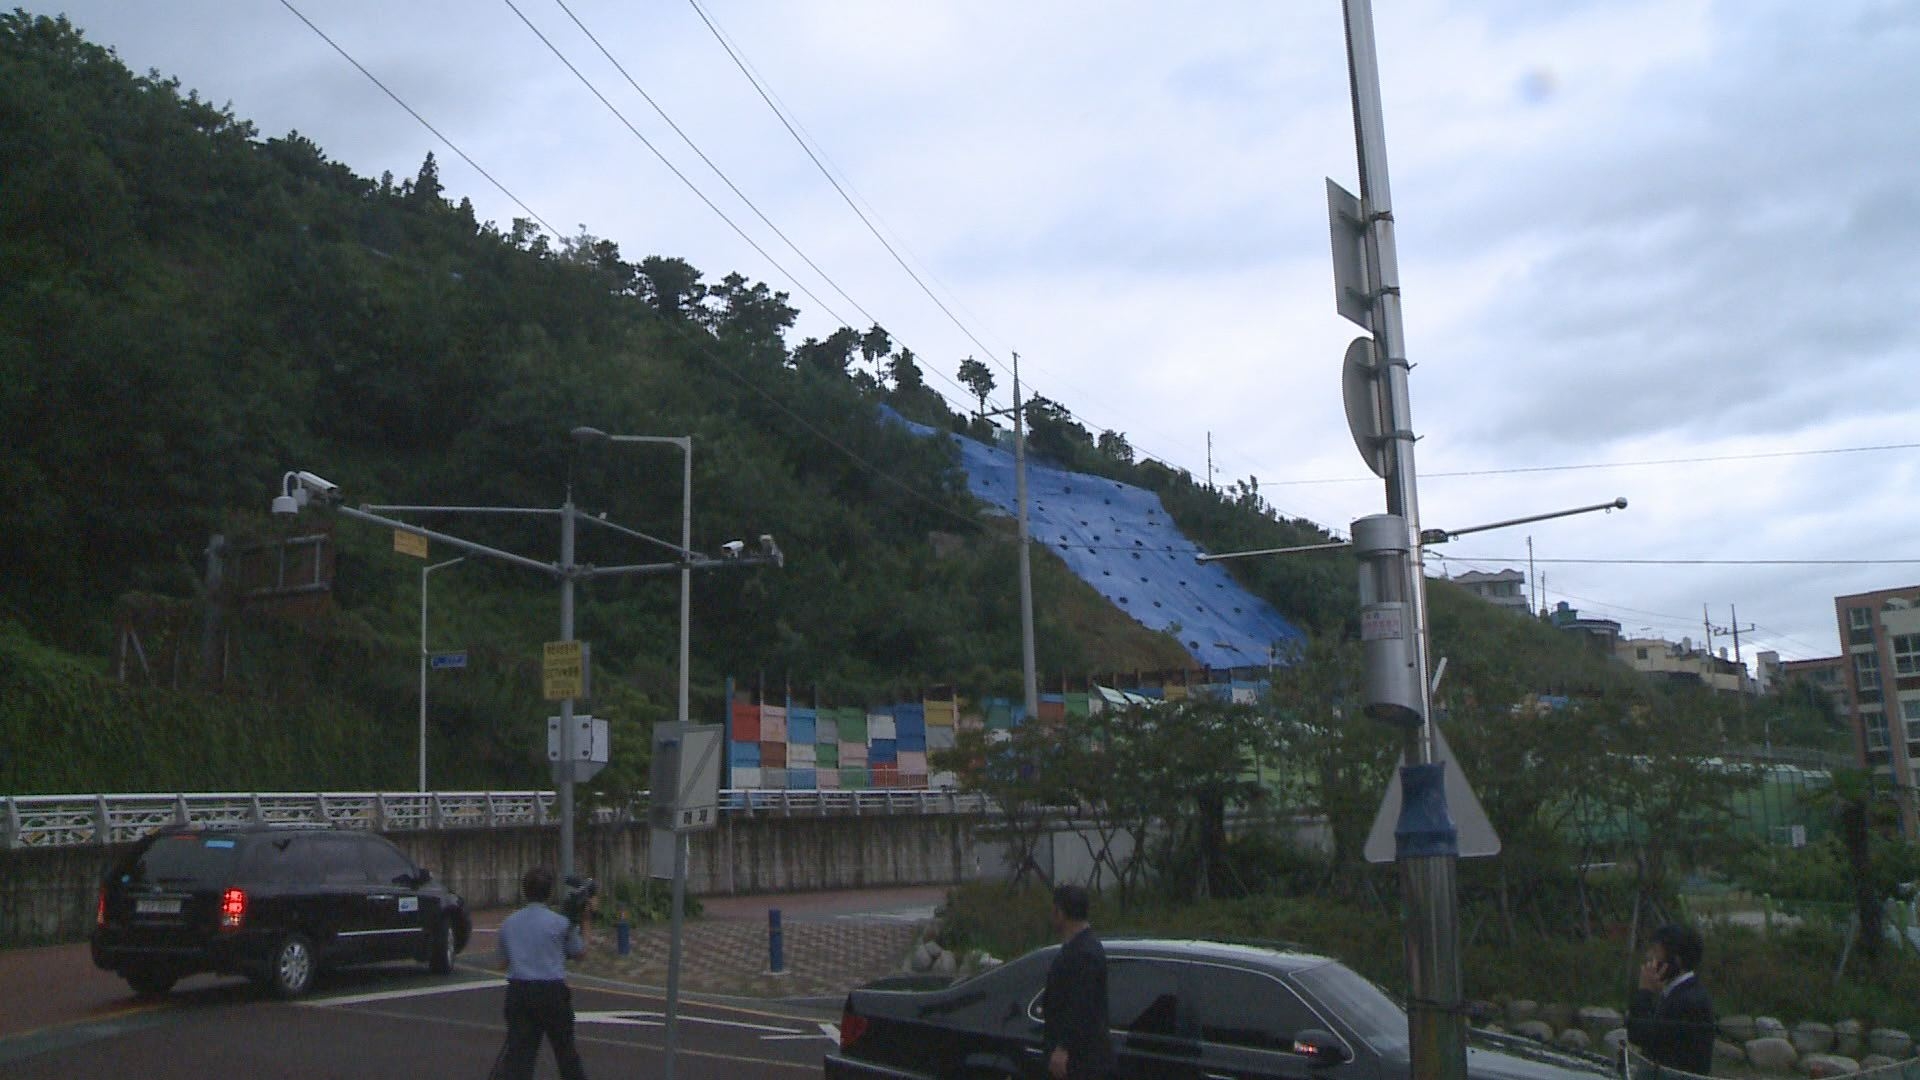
x=1671 y=1017
x=1075 y=1005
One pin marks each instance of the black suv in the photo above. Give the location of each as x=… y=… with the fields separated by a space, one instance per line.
x=274 y=904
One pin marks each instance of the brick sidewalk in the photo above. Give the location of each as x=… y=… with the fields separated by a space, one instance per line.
x=823 y=959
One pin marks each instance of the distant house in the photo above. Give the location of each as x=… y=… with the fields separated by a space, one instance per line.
x=1681 y=662
x=1828 y=674
x=1600 y=635
x=1506 y=588
x=1880 y=632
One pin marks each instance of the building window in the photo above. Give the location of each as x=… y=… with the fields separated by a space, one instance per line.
x=1910 y=712
x=1860 y=618
x=1866 y=668
x=1906 y=654
x=1640 y=653
x=1876 y=724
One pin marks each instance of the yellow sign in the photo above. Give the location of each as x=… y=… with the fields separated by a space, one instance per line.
x=407 y=543
x=563 y=670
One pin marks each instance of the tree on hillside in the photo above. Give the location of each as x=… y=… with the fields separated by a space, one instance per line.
x=830 y=356
x=1114 y=446
x=978 y=378
x=670 y=286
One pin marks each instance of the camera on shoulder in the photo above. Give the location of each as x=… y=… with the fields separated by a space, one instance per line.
x=579 y=892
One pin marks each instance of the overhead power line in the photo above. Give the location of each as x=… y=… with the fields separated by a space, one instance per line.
x=699 y=345
x=1619 y=464
x=1509 y=560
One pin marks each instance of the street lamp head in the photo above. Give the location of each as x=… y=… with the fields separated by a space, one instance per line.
x=772 y=550
x=585 y=435
x=733 y=549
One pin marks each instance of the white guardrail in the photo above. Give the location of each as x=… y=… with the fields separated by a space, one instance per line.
x=50 y=821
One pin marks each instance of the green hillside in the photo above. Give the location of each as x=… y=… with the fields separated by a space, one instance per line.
x=188 y=309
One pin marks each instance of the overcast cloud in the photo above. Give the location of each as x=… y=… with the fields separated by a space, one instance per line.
x=1627 y=231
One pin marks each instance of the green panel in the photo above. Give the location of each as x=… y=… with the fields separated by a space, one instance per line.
x=826 y=755
x=853 y=780
x=853 y=726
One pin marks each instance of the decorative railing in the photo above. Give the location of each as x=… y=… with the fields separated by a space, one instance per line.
x=51 y=821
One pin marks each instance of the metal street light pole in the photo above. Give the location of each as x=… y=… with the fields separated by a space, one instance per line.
x=680 y=841
x=1027 y=665
x=424 y=571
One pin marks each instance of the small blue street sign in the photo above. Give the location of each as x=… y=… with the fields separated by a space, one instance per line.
x=448 y=660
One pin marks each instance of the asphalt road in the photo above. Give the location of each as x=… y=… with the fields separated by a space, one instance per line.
x=399 y=1022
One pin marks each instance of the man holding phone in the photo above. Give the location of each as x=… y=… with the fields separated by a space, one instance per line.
x=1671 y=1016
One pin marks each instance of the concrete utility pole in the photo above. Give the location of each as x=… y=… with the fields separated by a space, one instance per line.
x=1393 y=586
x=1030 y=676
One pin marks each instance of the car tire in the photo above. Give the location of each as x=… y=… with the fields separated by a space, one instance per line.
x=290 y=967
x=149 y=982
x=444 y=945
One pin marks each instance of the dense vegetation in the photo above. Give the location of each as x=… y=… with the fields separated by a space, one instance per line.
x=188 y=309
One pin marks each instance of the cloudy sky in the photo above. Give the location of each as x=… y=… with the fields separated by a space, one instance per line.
x=1629 y=232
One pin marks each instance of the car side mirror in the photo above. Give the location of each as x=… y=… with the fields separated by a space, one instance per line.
x=421 y=877
x=1320 y=1047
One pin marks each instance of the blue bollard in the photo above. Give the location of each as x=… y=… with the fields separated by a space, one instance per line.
x=623 y=935
x=776 y=944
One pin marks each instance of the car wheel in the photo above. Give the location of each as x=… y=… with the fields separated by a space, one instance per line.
x=445 y=946
x=148 y=982
x=290 y=968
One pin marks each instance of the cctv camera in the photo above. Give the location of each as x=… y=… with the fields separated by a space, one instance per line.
x=320 y=486
x=733 y=548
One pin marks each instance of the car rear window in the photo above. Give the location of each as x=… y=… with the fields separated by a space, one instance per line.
x=184 y=860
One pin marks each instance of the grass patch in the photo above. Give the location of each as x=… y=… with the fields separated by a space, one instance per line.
x=1787 y=974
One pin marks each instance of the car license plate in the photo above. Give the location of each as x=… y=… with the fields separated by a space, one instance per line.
x=156 y=907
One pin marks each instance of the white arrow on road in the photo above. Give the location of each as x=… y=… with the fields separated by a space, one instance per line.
x=642 y=1018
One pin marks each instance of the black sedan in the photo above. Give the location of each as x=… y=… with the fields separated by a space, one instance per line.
x=1179 y=1009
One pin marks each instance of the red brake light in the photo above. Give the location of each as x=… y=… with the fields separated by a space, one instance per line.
x=233 y=909
x=852 y=1027
x=100 y=909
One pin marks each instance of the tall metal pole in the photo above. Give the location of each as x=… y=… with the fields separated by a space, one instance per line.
x=424 y=571
x=1436 y=1025
x=1031 y=678
x=679 y=840
x=565 y=781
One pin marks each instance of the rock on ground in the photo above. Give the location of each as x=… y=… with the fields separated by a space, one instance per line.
x=1771 y=1054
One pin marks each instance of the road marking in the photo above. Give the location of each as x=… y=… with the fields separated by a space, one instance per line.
x=762 y=1064
x=654 y=1019
x=418 y=991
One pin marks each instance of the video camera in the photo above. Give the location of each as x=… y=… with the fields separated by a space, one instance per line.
x=579 y=892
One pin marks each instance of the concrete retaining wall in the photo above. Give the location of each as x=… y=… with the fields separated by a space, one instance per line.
x=48 y=895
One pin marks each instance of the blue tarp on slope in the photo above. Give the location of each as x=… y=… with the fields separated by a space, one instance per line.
x=1119 y=539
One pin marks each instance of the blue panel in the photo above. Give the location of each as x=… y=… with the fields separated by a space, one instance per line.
x=744 y=755
x=1119 y=539
x=801 y=780
x=912 y=740
x=883 y=751
x=800 y=729
x=910 y=718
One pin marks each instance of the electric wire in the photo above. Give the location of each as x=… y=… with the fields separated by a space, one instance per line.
x=449 y=143
x=758 y=82
x=671 y=167
x=697 y=344
x=1761 y=456
x=717 y=171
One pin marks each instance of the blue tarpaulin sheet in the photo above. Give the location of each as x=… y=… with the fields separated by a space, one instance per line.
x=1119 y=539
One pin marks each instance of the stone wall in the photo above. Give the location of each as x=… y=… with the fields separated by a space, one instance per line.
x=48 y=894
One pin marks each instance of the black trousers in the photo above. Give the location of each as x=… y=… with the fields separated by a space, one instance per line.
x=534 y=1009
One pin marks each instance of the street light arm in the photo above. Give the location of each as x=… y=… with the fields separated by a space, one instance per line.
x=1441 y=536
x=389 y=509
x=697 y=562
x=1336 y=545
x=684 y=553
x=451 y=541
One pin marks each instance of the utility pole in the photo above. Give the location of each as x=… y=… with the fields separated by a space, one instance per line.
x=1209 y=461
x=1393 y=614
x=1030 y=677
x=1532 y=607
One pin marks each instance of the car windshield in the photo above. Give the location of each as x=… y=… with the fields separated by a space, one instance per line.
x=1365 y=1007
x=183 y=860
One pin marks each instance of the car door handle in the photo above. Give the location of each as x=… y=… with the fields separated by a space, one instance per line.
x=1219 y=1076
x=380 y=896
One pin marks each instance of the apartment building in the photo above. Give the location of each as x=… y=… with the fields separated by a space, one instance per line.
x=1880 y=632
x=1828 y=674
x=1679 y=661
x=1504 y=588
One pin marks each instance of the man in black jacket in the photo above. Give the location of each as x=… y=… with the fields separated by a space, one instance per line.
x=1075 y=1005
x=1671 y=1017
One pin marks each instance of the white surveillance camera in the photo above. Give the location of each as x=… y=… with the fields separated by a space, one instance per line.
x=318 y=486
x=733 y=548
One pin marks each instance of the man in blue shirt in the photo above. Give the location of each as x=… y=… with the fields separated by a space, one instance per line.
x=535 y=943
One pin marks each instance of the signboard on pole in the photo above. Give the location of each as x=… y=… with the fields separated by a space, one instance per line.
x=448 y=660
x=410 y=543
x=592 y=740
x=1349 y=229
x=685 y=778
x=1476 y=836
x=564 y=670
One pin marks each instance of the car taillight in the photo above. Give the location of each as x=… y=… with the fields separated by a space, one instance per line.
x=100 y=909
x=233 y=909
x=852 y=1027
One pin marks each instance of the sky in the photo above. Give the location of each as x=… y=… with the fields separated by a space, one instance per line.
x=1628 y=232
